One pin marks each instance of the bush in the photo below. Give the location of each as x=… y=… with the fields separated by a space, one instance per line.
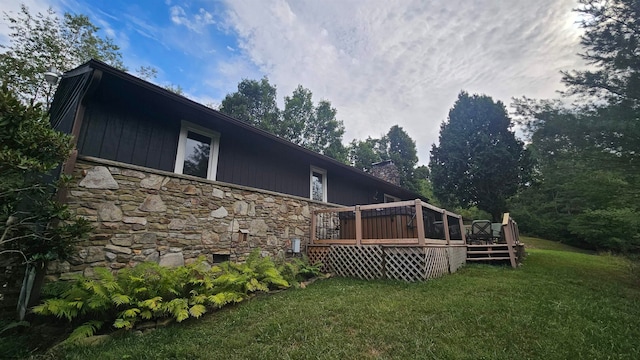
x=298 y=270
x=150 y=292
x=31 y=222
x=609 y=229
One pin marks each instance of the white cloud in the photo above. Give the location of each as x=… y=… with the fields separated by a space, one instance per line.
x=404 y=62
x=195 y=22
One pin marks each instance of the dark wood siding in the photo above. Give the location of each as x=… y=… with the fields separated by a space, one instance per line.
x=245 y=160
x=127 y=123
x=348 y=191
x=122 y=134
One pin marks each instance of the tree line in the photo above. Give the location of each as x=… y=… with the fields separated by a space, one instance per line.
x=316 y=127
x=577 y=180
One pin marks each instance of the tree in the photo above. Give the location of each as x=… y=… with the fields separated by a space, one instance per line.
x=298 y=112
x=41 y=41
x=254 y=103
x=396 y=146
x=324 y=131
x=586 y=183
x=313 y=127
x=586 y=167
x=31 y=223
x=401 y=149
x=478 y=160
x=363 y=153
x=612 y=43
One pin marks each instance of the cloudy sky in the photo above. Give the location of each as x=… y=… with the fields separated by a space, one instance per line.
x=380 y=63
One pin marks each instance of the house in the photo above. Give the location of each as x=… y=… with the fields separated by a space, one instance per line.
x=166 y=179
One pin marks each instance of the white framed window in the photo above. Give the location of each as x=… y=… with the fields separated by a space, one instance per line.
x=198 y=149
x=318 y=188
x=390 y=198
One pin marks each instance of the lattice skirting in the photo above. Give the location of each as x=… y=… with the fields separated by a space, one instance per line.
x=363 y=262
x=319 y=254
x=457 y=257
x=400 y=263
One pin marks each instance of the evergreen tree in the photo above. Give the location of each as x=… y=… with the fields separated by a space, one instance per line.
x=401 y=149
x=478 y=160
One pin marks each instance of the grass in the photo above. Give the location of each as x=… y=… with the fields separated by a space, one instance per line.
x=558 y=305
x=537 y=243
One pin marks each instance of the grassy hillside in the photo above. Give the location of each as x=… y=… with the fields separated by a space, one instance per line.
x=537 y=243
x=558 y=305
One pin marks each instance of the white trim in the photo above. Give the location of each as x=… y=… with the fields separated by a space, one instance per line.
x=323 y=172
x=212 y=167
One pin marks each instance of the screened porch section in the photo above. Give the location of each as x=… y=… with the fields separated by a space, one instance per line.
x=400 y=223
x=409 y=240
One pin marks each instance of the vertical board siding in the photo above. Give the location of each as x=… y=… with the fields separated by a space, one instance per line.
x=118 y=126
x=127 y=139
x=115 y=133
x=142 y=143
x=93 y=133
x=112 y=135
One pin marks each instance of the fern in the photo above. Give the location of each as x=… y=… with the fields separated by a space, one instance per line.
x=130 y=313
x=120 y=299
x=146 y=314
x=148 y=291
x=178 y=308
x=85 y=330
x=151 y=304
x=197 y=310
x=224 y=298
x=122 y=324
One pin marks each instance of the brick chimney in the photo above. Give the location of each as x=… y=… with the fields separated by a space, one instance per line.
x=386 y=170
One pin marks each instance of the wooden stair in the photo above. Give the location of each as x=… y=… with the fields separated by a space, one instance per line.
x=489 y=253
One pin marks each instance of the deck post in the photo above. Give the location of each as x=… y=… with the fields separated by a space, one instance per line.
x=312 y=232
x=445 y=225
x=420 y=222
x=508 y=236
x=462 y=230
x=358 y=225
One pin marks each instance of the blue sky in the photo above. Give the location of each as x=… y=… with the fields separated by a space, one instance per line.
x=379 y=62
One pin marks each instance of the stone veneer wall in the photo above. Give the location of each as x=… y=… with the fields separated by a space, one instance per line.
x=140 y=214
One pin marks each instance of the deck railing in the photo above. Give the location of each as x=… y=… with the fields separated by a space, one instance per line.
x=511 y=236
x=399 y=223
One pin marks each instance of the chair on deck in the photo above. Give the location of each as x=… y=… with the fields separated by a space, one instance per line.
x=481 y=231
x=496 y=229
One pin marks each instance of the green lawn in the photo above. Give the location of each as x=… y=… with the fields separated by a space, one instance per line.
x=537 y=243
x=558 y=305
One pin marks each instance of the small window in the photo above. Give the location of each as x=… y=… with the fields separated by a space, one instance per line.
x=318 y=184
x=220 y=258
x=197 y=151
x=390 y=198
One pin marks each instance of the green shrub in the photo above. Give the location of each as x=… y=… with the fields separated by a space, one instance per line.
x=297 y=270
x=609 y=229
x=149 y=292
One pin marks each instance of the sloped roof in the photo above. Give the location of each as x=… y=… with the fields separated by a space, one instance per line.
x=68 y=83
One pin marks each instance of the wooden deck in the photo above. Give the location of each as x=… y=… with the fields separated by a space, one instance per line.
x=409 y=240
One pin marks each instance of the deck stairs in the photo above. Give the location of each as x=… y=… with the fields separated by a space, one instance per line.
x=489 y=253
